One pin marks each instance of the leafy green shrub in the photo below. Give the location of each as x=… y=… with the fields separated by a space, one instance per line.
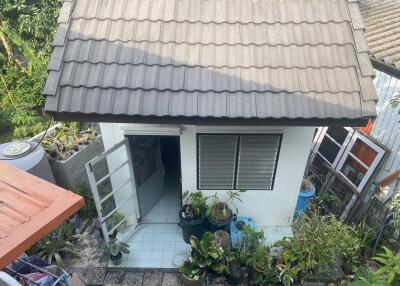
x=263 y=272
x=56 y=244
x=388 y=272
x=250 y=242
x=89 y=210
x=207 y=254
x=321 y=238
x=27 y=29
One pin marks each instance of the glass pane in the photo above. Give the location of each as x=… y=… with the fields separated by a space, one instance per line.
x=338 y=133
x=104 y=188
x=353 y=170
x=100 y=169
x=363 y=152
x=328 y=149
x=108 y=205
x=114 y=220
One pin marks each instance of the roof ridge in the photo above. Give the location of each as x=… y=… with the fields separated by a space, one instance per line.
x=277 y=91
x=207 y=22
x=208 y=66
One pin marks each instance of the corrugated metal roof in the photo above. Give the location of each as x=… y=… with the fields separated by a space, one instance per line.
x=30 y=208
x=233 y=59
x=382 y=21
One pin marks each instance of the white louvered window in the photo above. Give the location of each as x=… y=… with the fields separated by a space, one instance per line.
x=237 y=161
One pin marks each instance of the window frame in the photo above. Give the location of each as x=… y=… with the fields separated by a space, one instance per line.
x=279 y=135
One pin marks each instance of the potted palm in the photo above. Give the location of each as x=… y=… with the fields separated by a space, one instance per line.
x=114 y=250
x=219 y=213
x=192 y=215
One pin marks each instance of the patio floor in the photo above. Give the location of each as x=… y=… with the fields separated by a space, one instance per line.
x=158 y=245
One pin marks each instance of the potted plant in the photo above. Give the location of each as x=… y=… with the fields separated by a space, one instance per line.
x=262 y=270
x=238 y=271
x=192 y=273
x=250 y=240
x=192 y=215
x=208 y=254
x=114 y=250
x=219 y=213
x=307 y=191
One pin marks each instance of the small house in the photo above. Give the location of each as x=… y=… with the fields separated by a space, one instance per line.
x=210 y=95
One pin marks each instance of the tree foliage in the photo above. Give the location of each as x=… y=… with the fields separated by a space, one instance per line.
x=27 y=29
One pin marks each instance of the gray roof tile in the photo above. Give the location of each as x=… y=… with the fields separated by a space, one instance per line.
x=211 y=58
x=382 y=24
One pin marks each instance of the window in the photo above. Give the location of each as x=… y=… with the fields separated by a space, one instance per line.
x=358 y=162
x=332 y=143
x=229 y=161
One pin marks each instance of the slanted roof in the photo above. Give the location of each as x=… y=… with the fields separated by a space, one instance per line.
x=30 y=208
x=382 y=21
x=211 y=61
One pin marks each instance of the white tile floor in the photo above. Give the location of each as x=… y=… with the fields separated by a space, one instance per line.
x=158 y=245
x=157 y=242
x=167 y=208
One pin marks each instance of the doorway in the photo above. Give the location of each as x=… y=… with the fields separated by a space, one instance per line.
x=157 y=172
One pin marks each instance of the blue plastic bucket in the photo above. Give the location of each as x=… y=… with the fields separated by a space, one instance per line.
x=303 y=201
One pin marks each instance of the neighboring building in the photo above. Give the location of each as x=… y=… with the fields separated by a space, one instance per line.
x=231 y=90
x=382 y=26
x=382 y=23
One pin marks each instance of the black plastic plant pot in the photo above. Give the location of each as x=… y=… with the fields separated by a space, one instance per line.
x=214 y=225
x=191 y=227
x=116 y=259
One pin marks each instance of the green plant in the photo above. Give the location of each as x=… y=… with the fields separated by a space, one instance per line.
x=207 y=254
x=250 y=241
x=66 y=140
x=331 y=201
x=366 y=277
x=388 y=272
x=263 y=273
x=58 y=243
x=113 y=248
x=89 y=210
x=115 y=219
x=288 y=264
x=192 y=270
x=195 y=204
x=220 y=209
x=27 y=30
x=322 y=238
x=389 y=266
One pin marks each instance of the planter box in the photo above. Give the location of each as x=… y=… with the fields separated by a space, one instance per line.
x=72 y=172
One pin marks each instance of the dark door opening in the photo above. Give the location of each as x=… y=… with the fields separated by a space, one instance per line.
x=156 y=166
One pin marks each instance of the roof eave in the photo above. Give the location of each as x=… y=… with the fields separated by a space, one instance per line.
x=385 y=67
x=186 y=120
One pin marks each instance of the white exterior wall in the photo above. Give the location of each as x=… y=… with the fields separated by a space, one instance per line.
x=270 y=208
